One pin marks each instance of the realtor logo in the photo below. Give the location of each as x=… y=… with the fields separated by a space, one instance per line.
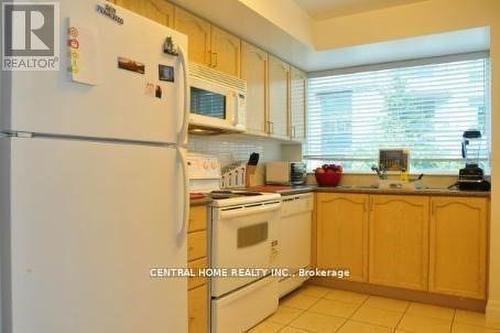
x=30 y=36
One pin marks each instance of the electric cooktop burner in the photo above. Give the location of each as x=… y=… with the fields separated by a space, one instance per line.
x=216 y=195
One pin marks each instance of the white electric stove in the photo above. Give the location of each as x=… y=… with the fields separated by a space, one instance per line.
x=243 y=238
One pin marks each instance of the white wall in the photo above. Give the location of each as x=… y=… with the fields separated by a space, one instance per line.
x=235 y=148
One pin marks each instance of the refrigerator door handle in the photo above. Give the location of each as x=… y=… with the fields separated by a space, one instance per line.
x=183 y=134
x=185 y=208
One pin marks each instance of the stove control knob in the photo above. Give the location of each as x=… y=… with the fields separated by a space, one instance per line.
x=205 y=165
x=213 y=165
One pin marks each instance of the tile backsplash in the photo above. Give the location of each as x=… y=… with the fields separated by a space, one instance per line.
x=232 y=148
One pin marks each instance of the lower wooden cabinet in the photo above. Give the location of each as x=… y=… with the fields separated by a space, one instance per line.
x=458 y=246
x=399 y=241
x=197 y=258
x=198 y=309
x=342 y=233
x=424 y=243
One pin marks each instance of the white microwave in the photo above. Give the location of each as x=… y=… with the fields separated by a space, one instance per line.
x=218 y=101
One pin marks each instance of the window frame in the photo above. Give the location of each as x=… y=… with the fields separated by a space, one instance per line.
x=485 y=54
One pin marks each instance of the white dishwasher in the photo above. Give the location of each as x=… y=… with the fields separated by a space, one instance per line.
x=295 y=238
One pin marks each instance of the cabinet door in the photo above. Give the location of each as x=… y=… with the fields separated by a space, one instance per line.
x=342 y=231
x=458 y=245
x=297 y=104
x=254 y=63
x=157 y=10
x=198 y=310
x=278 y=97
x=198 y=32
x=226 y=50
x=398 y=241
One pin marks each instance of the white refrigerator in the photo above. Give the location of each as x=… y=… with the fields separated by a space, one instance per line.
x=93 y=177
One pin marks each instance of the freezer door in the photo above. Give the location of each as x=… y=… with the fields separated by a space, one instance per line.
x=124 y=104
x=89 y=221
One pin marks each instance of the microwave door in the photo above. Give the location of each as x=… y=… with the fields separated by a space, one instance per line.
x=212 y=106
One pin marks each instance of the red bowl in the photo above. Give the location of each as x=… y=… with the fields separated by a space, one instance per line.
x=328 y=178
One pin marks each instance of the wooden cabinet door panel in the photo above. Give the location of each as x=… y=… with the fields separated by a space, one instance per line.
x=198 y=32
x=226 y=51
x=458 y=246
x=278 y=97
x=157 y=10
x=398 y=241
x=342 y=222
x=297 y=104
x=197 y=245
x=198 y=310
x=254 y=63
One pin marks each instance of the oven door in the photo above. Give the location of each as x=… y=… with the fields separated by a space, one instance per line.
x=243 y=237
x=212 y=106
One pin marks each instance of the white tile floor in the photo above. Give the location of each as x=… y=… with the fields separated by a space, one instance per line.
x=318 y=309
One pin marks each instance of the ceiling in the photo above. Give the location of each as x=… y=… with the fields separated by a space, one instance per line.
x=323 y=9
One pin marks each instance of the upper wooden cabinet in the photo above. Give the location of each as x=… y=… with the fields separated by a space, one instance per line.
x=157 y=10
x=279 y=80
x=458 y=246
x=341 y=233
x=297 y=104
x=198 y=32
x=254 y=63
x=399 y=241
x=226 y=52
x=209 y=45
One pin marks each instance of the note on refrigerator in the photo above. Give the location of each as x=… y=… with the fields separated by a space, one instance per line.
x=83 y=52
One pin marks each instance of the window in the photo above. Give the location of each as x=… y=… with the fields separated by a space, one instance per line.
x=423 y=106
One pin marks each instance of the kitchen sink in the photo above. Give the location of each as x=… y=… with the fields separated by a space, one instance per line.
x=360 y=187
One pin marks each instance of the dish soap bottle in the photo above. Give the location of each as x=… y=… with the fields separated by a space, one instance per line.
x=404 y=177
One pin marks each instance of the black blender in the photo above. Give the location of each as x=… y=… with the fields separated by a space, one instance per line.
x=471 y=178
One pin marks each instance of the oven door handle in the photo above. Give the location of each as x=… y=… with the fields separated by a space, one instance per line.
x=245 y=211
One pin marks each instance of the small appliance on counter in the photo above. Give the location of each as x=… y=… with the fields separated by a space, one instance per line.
x=471 y=178
x=286 y=173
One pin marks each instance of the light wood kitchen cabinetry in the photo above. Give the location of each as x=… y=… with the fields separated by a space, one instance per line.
x=160 y=11
x=209 y=45
x=297 y=104
x=279 y=80
x=198 y=32
x=198 y=309
x=398 y=242
x=226 y=52
x=435 y=247
x=197 y=258
x=254 y=66
x=342 y=232
x=458 y=246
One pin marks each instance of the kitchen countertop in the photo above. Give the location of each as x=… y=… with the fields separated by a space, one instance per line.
x=292 y=190
x=283 y=190
x=428 y=191
x=199 y=201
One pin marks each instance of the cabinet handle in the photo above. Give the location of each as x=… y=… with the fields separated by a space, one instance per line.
x=271 y=127
x=210 y=56
x=216 y=60
x=293 y=132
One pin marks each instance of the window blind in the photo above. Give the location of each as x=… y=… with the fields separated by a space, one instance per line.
x=421 y=107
